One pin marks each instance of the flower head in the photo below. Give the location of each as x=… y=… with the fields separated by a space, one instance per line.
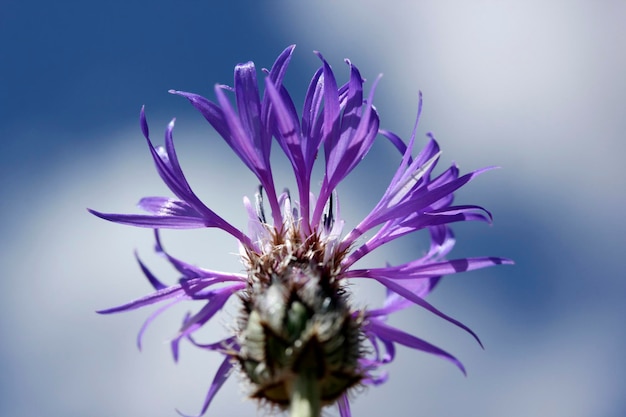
x=299 y=341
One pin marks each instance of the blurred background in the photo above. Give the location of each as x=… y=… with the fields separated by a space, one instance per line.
x=535 y=87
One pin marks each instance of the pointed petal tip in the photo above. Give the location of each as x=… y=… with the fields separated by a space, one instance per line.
x=320 y=56
x=144 y=122
x=181 y=414
x=97 y=213
x=138 y=342
x=462 y=368
x=107 y=311
x=112 y=217
x=496 y=260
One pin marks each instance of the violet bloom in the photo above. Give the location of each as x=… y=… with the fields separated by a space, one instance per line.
x=299 y=341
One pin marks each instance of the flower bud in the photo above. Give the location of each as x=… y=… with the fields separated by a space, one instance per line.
x=296 y=324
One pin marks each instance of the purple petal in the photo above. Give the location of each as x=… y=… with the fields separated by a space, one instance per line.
x=191 y=271
x=399 y=143
x=221 y=345
x=251 y=148
x=211 y=112
x=396 y=141
x=331 y=111
x=467 y=210
x=311 y=122
x=154 y=281
x=214 y=304
x=170 y=171
x=410 y=182
x=279 y=68
x=276 y=74
x=390 y=349
x=250 y=152
x=418 y=269
x=394 y=302
x=154 y=222
x=221 y=376
x=385 y=332
x=300 y=149
x=175 y=343
x=345 y=144
x=287 y=127
x=188 y=213
x=393 y=230
x=254 y=151
x=376 y=380
x=412 y=202
x=150 y=319
x=408 y=176
x=164 y=206
x=353 y=144
x=344 y=406
x=354 y=101
x=406 y=293
x=193 y=286
x=249 y=106
x=175 y=291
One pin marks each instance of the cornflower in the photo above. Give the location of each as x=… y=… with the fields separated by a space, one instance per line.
x=299 y=342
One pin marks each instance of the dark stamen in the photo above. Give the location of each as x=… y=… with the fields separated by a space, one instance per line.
x=329 y=219
x=258 y=199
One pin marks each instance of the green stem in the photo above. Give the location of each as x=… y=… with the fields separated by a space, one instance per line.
x=305 y=396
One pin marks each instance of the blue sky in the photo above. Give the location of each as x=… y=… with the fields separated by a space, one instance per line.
x=534 y=88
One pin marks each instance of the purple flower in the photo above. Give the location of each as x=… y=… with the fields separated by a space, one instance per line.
x=299 y=341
